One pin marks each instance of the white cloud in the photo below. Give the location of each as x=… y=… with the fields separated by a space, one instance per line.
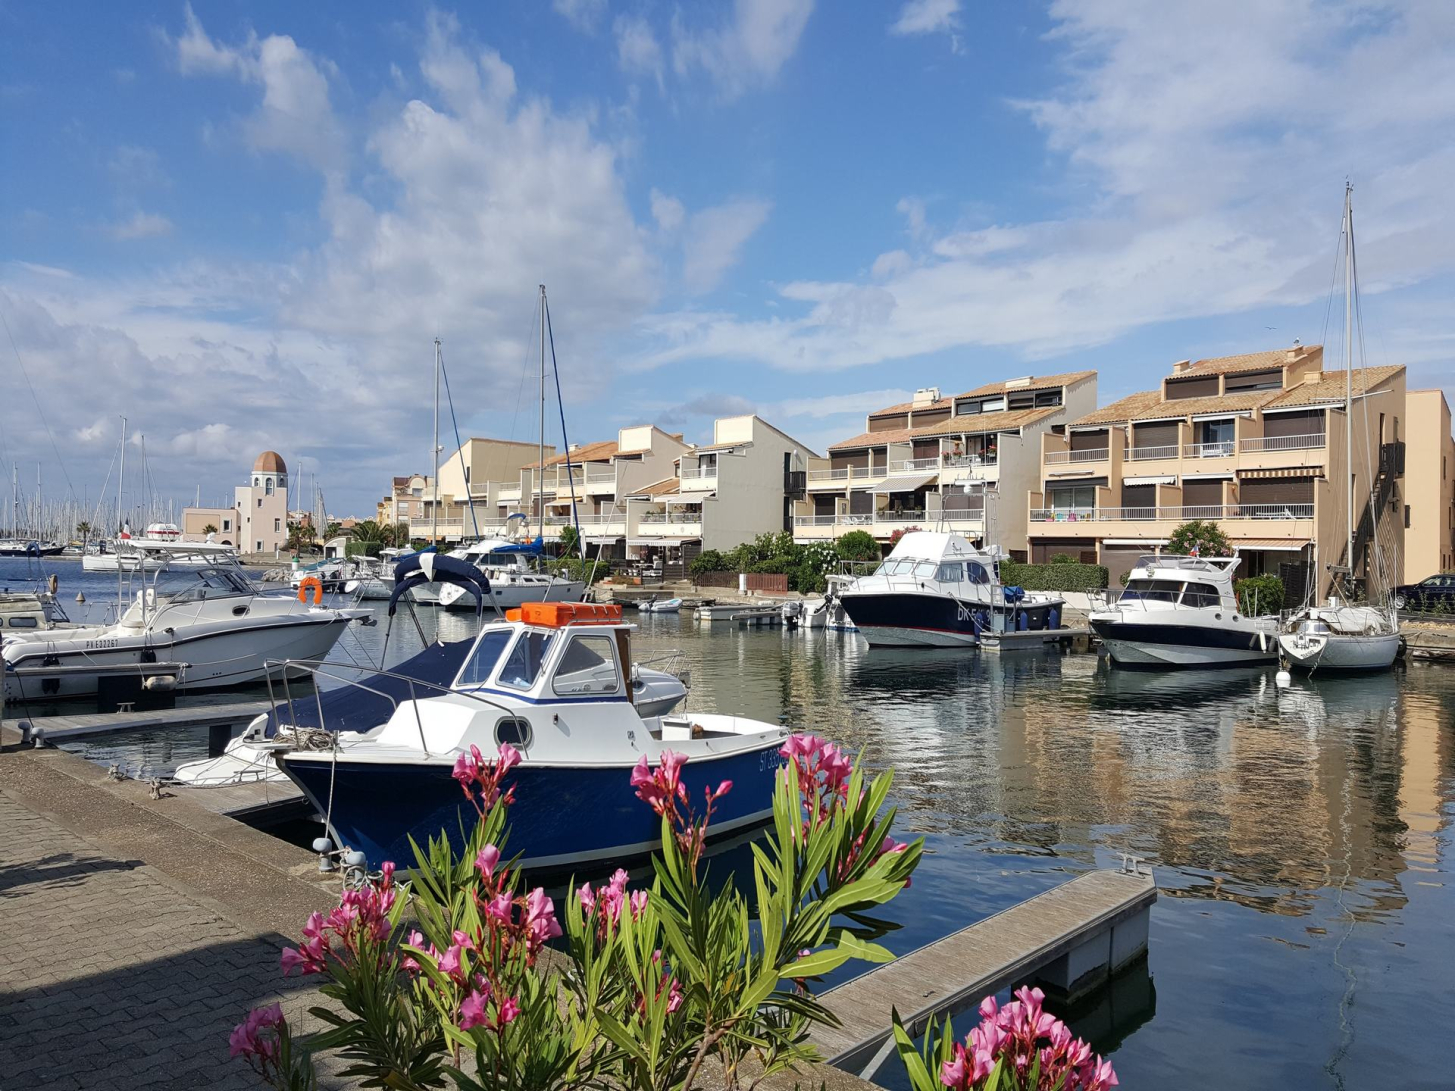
x=1206 y=187
x=667 y=211
x=637 y=50
x=715 y=239
x=136 y=168
x=584 y=15
x=927 y=17
x=832 y=405
x=748 y=50
x=295 y=116
x=141 y=225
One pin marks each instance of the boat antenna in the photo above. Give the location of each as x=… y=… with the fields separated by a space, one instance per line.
x=565 y=441
x=434 y=453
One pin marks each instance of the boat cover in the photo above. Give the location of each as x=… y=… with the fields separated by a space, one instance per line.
x=423 y=567
x=352 y=708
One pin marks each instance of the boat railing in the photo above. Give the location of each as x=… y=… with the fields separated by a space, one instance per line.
x=668 y=662
x=318 y=668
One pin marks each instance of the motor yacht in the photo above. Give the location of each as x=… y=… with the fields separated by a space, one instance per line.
x=191 y=625
x=506 y=563
x=1178 y=611
x=126 y=553
x=937 y=589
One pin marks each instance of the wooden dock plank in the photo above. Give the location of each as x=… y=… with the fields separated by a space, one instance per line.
x=954 y=973
x=58 y=728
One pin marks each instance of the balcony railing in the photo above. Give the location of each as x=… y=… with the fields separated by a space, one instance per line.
x=914 y=465
x=968 y=461
x=694 y=473
x=844 y=474
x=859 y=520
x=682 y=515
x=592 y=519
x=1172 y=514
x=1092 y=454
x=1309 y=442
x=1221 y=449
x=1140 y=454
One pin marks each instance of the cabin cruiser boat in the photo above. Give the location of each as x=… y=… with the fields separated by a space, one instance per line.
x=1181 y=612
x=357 y=707
x=505 y=564
x=1341 y=637
x=548 y=680
x=191 y=626
x=126 y=554
x=938 y=590
x=29 y=547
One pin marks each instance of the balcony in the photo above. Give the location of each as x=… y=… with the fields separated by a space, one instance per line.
x=1092 y=454
x=1221 y=449
x=676 y=523
x=1311 y=442
x=698 y=478
x=842 y=477
x=914 y=466
x=883 y=524
x=1215 y=512
x=1146 y=454
x=957 y=462
x=508 y=494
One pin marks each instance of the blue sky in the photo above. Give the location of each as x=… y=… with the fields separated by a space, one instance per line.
x=242 y=225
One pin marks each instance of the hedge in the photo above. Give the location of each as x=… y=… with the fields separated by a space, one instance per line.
x=1053 y=577
x=1259 y=595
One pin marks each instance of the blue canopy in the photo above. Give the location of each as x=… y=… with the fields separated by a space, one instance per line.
x=354 y=708
x=423 y=567
x=532 y=549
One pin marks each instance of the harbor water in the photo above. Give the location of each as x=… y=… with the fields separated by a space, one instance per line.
x=1305 y=933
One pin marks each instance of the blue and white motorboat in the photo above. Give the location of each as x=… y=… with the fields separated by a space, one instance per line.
x=551 y=681
x=938 y=590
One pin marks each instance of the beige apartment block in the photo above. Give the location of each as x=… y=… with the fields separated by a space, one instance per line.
x=961 y=463
x=258 y=519
x=1429 y=537
x=750 y=480
x=1255 y=443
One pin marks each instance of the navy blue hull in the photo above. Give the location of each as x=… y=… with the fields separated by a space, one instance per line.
x=930 y=613
x=562 y=816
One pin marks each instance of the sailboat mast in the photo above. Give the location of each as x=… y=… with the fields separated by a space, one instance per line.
x=1349 y=358
x=434 y=452
x=541 y=444
x=120 y=519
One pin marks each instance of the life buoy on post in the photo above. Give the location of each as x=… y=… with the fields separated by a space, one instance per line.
x=317 y=585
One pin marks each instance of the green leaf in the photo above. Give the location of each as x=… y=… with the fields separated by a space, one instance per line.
x=816 y=964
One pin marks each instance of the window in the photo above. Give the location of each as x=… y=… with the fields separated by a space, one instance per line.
x=587 y=666
x=1200 y=594
x=977 y=572
x=23 y=623
x=524 y=665
x=259 y=548
x=514 y=730
x=227 y=524
x=257 y=481
x=268 y=486
x=950 y=573
x=483 y=657
x=1074 y=498
x=1216 y=436
x=260 y=501
x=1152 y=590
x=277 y=526
x=926 y=570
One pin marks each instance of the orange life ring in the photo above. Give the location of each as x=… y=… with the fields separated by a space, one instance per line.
x=317 y=585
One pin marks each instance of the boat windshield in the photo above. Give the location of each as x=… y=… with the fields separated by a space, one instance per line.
x=201 y=583
x=483 y=657
x=1152 y=590
x=894 y=568
x=523 y=666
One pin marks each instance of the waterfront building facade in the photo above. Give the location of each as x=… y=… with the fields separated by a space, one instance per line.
x=258 y=520
x=1255 y=443
x=1429 y=538
x=960 y=463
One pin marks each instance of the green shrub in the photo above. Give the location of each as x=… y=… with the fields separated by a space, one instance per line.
x=709 y=560
x=1203 y=534
x=1054 y=577
x=1259 y=594
x=574 y=568
x=1064 y=558
x=857 y=545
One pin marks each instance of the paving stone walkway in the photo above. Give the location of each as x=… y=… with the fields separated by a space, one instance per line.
x=114 y=977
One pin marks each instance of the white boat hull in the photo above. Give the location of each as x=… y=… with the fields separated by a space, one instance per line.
x=1142 y=654
x=893 y=636
x=1339 y=652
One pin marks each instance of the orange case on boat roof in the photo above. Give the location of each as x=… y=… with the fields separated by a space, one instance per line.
x=556 y=614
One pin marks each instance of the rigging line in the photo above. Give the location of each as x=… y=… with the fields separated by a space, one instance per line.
x=1333 y=283
x=565 y=443
x=460 y=447
x=529 y=342
x=26 y=376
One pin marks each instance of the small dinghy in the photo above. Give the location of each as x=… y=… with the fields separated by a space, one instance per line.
x=549 y=681
x=664 y=606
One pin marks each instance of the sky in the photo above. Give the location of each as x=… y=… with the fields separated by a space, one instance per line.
x=242 y=225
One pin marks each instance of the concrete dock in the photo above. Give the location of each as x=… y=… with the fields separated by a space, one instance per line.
x=1072 y=937
x=71 y=726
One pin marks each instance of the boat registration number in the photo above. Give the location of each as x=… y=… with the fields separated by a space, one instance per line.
x=90 y=644
x=771 y=759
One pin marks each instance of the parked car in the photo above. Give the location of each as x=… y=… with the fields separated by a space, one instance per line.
x=1431 y=593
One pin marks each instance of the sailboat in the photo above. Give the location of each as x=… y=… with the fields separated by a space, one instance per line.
x=1340 y=635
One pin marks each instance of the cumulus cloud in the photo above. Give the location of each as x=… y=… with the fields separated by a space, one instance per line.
x=140 y=225
x=747 y=50
x=667 y=211
x=637 y=50
x=584 y=15
x=715 y=240
x=927 y=17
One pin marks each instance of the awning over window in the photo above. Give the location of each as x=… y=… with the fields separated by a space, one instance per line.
x=1292 y=545
x=603 y=540
x=904 y=484
x=1167 y=479
x=659 y=541
x=1285 y=471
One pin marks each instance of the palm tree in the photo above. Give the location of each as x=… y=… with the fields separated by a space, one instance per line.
x=84 y=530
x=210 y=528
x=374 y=535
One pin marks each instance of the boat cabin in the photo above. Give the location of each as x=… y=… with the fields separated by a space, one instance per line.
x=1174 y=580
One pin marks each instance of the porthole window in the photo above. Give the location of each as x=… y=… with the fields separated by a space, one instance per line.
x=515 y=731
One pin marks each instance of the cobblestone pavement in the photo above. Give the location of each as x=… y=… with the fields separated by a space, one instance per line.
x=113 y=977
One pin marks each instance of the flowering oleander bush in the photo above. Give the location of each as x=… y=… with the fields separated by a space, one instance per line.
x=1018 y=1047
x=446 y=975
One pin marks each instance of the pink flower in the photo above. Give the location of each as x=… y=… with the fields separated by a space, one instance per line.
x=1102 y=1076
x=472 y=1010
x=671 y=769
x=540 y=917
x=509 y=757
x=509 y=1009
x=308 y=957
x=722 y=789
x=501 y=907
x=449 y=963
x=638 y=902
x=486 y=860
x=244 y=1039
x=953 y=1072
x=408 y=962
x=587 y=898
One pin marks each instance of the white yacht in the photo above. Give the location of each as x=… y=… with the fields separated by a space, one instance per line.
x=937 y=589
x=126 y=553
x=190 y=626
x=513 y=582
x=1181 y=612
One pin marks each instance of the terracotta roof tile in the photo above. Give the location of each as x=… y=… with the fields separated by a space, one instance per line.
x=1254 y=361
x=1330 y=386
x=905 y=407
x=1148 y=405
x=587 y=452
x=969 y=425
x=666 y=487
x=719 y=446
x=1038 y=382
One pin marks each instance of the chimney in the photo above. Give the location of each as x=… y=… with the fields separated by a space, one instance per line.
x=1181 y=366
x=574 y=447
x=926 y=395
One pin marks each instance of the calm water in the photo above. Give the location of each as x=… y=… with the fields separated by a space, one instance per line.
x=1305 y=933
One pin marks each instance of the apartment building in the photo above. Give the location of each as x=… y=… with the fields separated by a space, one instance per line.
x=1255 y=443
x=258 y=520
x=1429 y=537
x=959 y=463
x=465 y=480
x=750 y=480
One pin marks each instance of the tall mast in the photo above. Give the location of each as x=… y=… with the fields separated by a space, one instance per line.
x=434 y=453
x=1349 y=359
x=120 y=518
x=541 y=445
